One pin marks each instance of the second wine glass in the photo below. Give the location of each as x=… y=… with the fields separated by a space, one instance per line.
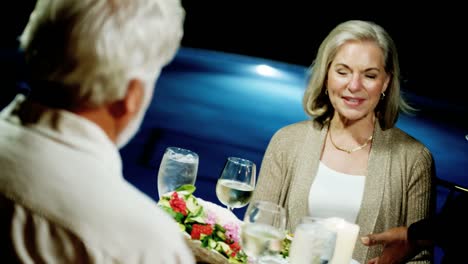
x=237 y=182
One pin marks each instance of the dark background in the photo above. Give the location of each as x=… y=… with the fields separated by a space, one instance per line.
x=429 y=37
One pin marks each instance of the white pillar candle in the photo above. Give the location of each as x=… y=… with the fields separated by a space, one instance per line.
x=346 y=235
x=313 y=243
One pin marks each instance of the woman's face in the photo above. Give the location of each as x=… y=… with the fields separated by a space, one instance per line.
x=355 y=80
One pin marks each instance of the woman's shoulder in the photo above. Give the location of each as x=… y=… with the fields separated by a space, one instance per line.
x=294 y=134
x=405 y=141
x=298 y=129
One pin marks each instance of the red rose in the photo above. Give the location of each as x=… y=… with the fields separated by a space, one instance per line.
x=198 y=229
x=235 y=247
x=178 y=204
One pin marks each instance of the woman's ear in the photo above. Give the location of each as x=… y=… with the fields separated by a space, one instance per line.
x=386 y=82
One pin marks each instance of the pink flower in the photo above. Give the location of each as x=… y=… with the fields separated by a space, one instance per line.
x=232 y=232
x=211 y=218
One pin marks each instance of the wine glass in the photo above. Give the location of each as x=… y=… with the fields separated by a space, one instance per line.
x=178 y=167
x=263 y=230
x=236 y=184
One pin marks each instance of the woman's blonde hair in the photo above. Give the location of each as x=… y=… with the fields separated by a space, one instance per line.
x=316 y=102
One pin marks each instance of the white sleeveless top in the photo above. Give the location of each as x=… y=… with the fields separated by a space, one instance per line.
x=336 y=194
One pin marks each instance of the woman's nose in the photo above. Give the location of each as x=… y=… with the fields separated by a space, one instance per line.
x=355 y=83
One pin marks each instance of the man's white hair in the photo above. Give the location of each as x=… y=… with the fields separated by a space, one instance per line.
x=89 y=50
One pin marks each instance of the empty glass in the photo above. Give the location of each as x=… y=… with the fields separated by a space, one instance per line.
x=178 y=167
x=263 y=230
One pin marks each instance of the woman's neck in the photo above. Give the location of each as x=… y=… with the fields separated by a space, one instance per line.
x=345 y=130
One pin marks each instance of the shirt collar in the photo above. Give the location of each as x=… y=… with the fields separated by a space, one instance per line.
x=60 y=125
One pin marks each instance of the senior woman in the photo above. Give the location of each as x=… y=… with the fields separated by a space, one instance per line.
x=349 y=160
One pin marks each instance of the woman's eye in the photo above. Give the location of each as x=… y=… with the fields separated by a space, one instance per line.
x=371 y=76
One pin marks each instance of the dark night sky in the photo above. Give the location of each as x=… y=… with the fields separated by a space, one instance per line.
x=430 y=38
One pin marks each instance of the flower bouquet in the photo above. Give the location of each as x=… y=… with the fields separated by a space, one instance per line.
x=212 y=231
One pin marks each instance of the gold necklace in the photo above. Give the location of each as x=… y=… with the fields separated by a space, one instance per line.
x=349 y=151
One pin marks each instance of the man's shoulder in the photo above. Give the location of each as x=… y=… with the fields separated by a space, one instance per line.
x=122 y=236
x=124 y=212
x=131 y=222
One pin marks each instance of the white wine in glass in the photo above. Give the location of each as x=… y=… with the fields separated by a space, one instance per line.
x=237 y=182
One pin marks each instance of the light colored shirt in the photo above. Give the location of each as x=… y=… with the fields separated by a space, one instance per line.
x=336 y=194
x=64 y=198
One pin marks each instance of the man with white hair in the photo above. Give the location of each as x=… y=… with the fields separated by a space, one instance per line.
x=93 y=65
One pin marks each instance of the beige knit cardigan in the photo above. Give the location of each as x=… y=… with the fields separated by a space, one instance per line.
x=398 y=187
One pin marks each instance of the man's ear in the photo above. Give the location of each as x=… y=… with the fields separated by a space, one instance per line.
x=128 y=106
x=124 y=111
x=134 y=97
